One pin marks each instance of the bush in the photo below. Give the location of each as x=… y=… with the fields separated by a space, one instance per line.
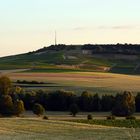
x=45 y=118
x=89 y=117
x=19 y=107
x=74 y=109
x=29 y=82
x=130 y=118
x=6 y=105
x=5 y=85
x=110 y=117
x=124 y=104
x=38 y=109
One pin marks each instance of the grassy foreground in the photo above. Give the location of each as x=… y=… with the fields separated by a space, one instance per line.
x=38 y=129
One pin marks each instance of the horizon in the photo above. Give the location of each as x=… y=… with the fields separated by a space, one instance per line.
x=68 y=45
x=30 y=25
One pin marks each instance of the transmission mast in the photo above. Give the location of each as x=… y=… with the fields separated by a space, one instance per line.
x=55 y=38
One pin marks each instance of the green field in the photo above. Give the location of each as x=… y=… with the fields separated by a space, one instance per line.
x=55 y=70
x=38 y=129
x=49 y=61
x=114 y=123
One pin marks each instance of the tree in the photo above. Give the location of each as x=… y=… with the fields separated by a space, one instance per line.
x=29 y=99
x=57 y=101
x=6 y=105
x=38 y=109
x=60 y=100
x=124 y=104
x=19 y=107
x=86 y=101
x=137 y=100
x=74 y=109
x=5 y=85
x=96 y=103
x=107 y=102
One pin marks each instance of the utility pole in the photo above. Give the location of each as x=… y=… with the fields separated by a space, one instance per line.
x=55 y=38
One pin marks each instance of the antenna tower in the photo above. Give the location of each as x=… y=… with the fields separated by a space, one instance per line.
x=55 y=38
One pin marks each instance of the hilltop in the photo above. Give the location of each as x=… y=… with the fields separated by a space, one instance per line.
x=117 y=58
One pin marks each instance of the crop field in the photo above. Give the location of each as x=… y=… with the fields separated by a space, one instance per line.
x=95 y=82
x=38 y=129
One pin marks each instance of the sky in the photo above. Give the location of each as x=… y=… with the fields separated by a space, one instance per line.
x=27 y=25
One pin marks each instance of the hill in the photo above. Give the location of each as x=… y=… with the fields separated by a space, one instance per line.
x=119 y=58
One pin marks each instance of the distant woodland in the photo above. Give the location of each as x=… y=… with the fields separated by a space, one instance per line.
x=129 y=49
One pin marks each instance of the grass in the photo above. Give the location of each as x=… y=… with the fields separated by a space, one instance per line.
x=125 y=70
x=37 y=129
x=55 y=70
x=114 y=123
x=86 y=63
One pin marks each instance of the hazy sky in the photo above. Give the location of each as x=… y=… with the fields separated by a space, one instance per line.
x=27 y=25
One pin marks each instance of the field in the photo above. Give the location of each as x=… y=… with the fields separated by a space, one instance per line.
x=38 y=129
x=72 y=60
x=114 y=123
x=95 y=82
x=61 y=126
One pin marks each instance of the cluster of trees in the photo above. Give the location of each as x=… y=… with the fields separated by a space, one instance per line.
x=115 y=49
x=16 y=100
x=104 y=48
x=8 y=105
x=28 y=82
x=121 y=104
x=58 y=47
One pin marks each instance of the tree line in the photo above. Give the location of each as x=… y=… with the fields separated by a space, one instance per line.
x=129 y=49
x=123 y=104
x=14 y=100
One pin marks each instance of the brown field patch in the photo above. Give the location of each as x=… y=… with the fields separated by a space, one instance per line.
x=117 y=82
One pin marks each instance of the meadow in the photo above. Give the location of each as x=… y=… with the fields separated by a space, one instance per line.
x=38 y=129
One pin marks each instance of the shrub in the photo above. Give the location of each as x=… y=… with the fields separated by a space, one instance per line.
x=130 y=118
x=38 y=109
x=45 y=117
x=74 y=109
x=6 y=105
x=89 y=117
x=111 y=117
x=19 y=107
x=5 y=85
x=124 y=104
x=137 y=100
x=29 y=82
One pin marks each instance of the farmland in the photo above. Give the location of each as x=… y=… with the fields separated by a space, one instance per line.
x=69 y=70
x=111 y=58
x=95 y=82
x=60 y=124
x=32 y=128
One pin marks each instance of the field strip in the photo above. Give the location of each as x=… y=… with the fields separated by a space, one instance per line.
x=62 y=75
x=58 y=123
x=39 y=129
x=12 y=71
